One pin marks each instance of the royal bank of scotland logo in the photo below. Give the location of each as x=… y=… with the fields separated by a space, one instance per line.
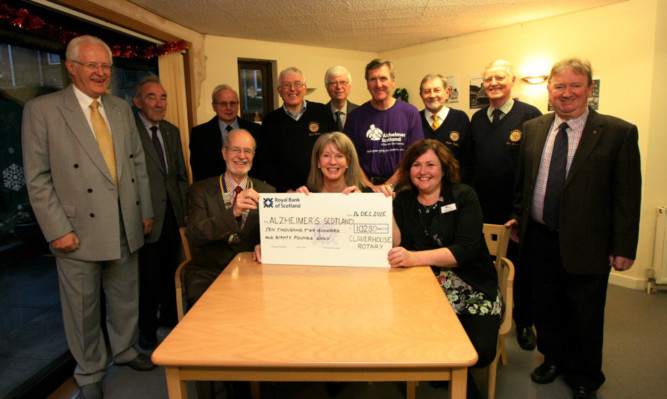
x=268 y=202
x=374 y=133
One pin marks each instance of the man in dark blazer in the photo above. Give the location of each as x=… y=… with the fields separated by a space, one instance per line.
x=449 y=126
x=222 y=221
x=158 y=259
x=86 y=177
x=577 y=200
x=338 y=82
x=206 y=139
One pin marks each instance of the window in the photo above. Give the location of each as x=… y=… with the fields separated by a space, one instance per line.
x=32 y=339
x=255 y=89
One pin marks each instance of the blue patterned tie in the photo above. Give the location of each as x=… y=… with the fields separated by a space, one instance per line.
x=556 y=180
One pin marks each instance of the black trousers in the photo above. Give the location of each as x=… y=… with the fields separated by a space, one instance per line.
x=158 y=262
x=483 y=333
x=522 y=312
x=568 y=309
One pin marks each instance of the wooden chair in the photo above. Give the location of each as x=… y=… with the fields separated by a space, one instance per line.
x=186 y=255
x=497 y=239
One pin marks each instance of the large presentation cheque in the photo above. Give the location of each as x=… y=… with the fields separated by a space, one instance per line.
x=325 y=229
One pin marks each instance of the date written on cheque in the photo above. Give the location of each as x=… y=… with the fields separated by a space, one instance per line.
x=371 y=228
x=369 y=213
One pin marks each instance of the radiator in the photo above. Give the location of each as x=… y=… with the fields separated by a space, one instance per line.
x=660 y=254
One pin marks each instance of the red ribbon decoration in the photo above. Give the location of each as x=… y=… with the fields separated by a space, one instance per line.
x=23 y=19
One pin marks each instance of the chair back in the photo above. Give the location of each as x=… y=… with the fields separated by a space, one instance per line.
x=186 y=255
x=497 y=238
x=185 y=252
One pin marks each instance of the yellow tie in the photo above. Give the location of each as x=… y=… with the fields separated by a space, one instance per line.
x=435 y=124
x=104 y=140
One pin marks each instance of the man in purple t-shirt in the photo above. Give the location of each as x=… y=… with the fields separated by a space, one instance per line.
x=382 y=128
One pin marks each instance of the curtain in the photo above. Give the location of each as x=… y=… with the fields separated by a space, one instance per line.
x=172 y=77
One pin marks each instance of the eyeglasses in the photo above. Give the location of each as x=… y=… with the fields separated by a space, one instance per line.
x=341 y=84
x=93 y=65
x=237 y=151
x=498 y=78
x=296 y=85
x=226 y=104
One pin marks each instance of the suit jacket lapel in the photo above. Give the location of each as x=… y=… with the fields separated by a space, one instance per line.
x=78 y=125
x=589 y=139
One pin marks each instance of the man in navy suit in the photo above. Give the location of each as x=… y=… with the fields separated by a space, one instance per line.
x=206 y=139
x=577 y=204
x=338 y=82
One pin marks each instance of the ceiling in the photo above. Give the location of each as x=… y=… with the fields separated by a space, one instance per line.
x=365 y=25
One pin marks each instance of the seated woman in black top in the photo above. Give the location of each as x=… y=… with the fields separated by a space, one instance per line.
x=334 y=166
x=439 y=223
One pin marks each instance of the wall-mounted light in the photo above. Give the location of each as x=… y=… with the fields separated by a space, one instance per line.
x=535 y=80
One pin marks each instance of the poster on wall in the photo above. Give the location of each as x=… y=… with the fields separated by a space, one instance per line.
x=453 y=82
x=593 y=100
x=478 y=97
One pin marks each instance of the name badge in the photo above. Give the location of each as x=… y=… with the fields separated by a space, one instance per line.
x=448 y=208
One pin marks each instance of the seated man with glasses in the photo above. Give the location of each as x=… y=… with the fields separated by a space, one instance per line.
x=223 y=219
x=206 y=139
x=289 y=133
x=338 y=81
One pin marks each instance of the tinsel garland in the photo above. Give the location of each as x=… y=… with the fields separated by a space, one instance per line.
x=23 y=19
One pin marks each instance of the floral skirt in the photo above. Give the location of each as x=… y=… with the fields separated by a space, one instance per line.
x=465 y=299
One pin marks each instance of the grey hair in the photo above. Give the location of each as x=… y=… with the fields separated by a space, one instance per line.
x=500 y=63
x=73 y=53
x=291 y=71
x=337 y=70
x=143 y=81
x=433 y=76
x=220 y=88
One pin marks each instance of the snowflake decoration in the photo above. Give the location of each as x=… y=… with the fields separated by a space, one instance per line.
x=13 y=177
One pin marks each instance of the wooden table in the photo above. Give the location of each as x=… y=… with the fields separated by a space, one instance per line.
x=314 y=323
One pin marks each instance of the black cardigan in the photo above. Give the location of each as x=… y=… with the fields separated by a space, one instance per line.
x=460 y=230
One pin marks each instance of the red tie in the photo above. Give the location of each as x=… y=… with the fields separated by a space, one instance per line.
x=237 y=190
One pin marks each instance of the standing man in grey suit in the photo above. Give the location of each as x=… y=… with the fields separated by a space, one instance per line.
x=577 y=200
x=87 y=182
x=338 y=82
x=206 y=139
x=158 y=259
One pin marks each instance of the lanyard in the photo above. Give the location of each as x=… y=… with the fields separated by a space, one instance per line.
x=227 y=198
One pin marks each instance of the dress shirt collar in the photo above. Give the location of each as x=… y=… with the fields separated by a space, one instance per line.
x=298 y=116
x=505 y=109
x=577 y=123
x=223 y=125
x=442 y=114
x=148 y=124
x=85 y=100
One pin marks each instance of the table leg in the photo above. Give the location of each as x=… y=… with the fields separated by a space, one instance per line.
x=458 y=384
x=411 y=387
x=175 y=386
x=254 y=390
